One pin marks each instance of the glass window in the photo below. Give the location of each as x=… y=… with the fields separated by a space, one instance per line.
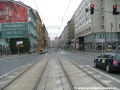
x=100 y=36
x=102 y=26
x=118 y=56
x=101 y=55
x=111 y=56
x=105 y=56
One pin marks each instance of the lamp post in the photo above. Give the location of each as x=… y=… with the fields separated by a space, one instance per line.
x=111 y=32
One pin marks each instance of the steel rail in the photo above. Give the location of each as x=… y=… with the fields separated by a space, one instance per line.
x=67 y=77
x=102 y=83
x=61 y=79
x=38 y=82
x=20 y=75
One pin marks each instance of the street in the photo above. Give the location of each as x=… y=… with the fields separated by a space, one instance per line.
x=83 y=59
x=12 y=62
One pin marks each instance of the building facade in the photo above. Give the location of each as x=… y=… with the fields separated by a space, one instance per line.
x=18 y=23
x=46 y=37
x=98 y=30
x=70 y=34
x=40 y=33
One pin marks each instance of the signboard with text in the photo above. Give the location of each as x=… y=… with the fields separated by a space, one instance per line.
x=13 y=12
x=15 y=30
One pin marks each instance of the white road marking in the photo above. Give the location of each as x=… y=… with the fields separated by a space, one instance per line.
x=1 y=59
x=8 y=73
x=90 y=72
x=18 y=68
x=98 y=76
x=62 y=52
x=106 y=81
x=105 y=74
x=86 y=65
x=13 y=71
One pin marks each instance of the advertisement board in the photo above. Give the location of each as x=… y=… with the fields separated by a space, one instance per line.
x=15 y=30
x=13 y=12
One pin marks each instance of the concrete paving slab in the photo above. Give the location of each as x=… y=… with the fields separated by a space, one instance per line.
x=28 y=80
x=78 y=77
x=53 y=77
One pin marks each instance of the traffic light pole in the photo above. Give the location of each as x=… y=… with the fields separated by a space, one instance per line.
x=98 y=10
x=103 y=11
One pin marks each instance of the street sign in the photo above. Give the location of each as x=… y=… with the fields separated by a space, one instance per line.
x=14 y=30
x=19 y=42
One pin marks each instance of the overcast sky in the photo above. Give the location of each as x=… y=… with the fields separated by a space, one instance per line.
x=53 y=13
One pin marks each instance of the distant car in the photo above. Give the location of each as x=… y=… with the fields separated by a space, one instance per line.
x=110 y=61
x=109 y=49
x=45 y=50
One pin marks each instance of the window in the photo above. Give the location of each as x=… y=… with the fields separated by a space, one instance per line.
x=118 y=56
x=101 y=55
x=111 y=57
x=102 y=26
x=100 y=36
x=105 y=56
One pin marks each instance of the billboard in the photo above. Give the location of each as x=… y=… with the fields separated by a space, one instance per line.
x=15 y=30
x=13 y=12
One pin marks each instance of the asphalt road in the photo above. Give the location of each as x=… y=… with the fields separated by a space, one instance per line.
x=7 y=64
x=10 y=63
x=88 y=61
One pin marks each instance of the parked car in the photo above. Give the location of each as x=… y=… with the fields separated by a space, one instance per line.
x=110 y=61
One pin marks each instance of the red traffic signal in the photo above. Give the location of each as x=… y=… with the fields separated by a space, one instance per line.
x=115 y=10
x=115 y=6
x=91 y=8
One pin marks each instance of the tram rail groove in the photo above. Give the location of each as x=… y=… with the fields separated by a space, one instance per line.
x=20 y=74
x=61 y=79
x=95 y=78
x=37 y=84
x=67 y=77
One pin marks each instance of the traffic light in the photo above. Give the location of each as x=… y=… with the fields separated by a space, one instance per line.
x=91 y=8
x=115 y=10
x=86 y=9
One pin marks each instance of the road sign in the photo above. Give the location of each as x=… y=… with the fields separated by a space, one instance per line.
x=19 y=42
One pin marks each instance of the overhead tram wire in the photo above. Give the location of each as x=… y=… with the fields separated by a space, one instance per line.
x=65 y=12
x=38 y=10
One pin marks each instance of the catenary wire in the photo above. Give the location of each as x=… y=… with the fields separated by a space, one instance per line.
x=65 y=12
x=38 y=10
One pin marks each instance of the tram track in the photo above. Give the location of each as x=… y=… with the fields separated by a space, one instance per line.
x=101 y=82
x=54 y=73
x=37 y=84
x=67 y=77
x=21 y=73
x=51 y=75
x=9 y=86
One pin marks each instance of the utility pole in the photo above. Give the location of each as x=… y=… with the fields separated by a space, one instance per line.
x=111 y=32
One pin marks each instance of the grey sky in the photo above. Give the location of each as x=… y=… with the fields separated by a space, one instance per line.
x=52 y=12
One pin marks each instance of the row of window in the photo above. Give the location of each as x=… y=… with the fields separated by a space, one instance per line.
x=101 y=36
x=80 y=25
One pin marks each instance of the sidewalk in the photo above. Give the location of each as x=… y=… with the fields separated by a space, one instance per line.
x=20 y=54
x=86 y=52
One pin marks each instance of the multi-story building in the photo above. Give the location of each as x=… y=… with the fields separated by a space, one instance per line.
x=70 y=33
x=18 y=24
x=46 y=37
x=56 y=42
x=40 y=33
x=99 y=29
x=64 y=38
